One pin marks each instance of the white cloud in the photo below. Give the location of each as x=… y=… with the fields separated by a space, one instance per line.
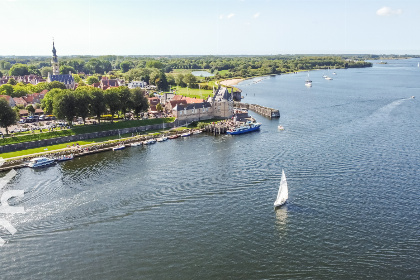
x=231 y=15
x=387 y=11
x=256 y=15
x=221 y=16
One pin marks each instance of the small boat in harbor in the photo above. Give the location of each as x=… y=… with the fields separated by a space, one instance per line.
x=119 y=147
x=173 y=136
x=161 y=139
x=283 y=193
x=40 y=162
x=198 y=131
x=65 y=157
x=280 y=127
x=247 y=127
x=135 y=144
x=186 y=134
x=308 y=82
x=150 y=141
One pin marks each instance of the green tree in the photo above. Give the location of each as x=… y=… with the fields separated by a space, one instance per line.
x=48 y=101
x=6 y=90
x=12 y=82
x=31 y=109
x=33 y=70
x=154 y=64
x=20 y=90
x=179 y=80
x=190 y=79
x=19 y=70
x=65 y=69
x=92 y=80
x=8 y=116
x=40 y=87
x=45 y=71
x=64 y=105
x=56 y=84
x=159 y=107
x=125 y=100
x=112 y=101
x=76 y=78
x=125 y=66
x=97 y=104
x=83 y=100
x=139 y=101
x=5 y=65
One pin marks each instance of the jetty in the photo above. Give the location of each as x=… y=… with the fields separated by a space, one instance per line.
x=263 y=111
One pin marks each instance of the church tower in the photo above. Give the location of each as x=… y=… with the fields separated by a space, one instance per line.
x=54 y=62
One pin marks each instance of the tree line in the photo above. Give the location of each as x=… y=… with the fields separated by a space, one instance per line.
x=89 y=101
x=83 y=102
x=242 y=66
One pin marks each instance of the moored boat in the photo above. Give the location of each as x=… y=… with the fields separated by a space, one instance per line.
x=173 y=136
x=135 y=144
x=65 y=157
x=119 y=147
x=40 y=162
x=186 y=134
x=248 y=127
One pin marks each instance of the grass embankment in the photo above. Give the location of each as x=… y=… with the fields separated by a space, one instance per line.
x=94 y=141
x=81 y=130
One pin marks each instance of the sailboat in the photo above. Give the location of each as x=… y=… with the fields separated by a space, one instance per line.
x=283 y=193
x=326 y=76
x=308 y=82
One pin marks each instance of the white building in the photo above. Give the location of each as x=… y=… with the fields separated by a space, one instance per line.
x=137 y=84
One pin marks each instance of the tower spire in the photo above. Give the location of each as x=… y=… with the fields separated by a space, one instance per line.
x=54 y=61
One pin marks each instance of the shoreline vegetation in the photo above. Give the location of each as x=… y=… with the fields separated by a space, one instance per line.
x=173 y=73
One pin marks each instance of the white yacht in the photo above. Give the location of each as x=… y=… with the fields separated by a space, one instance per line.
x=40 y=162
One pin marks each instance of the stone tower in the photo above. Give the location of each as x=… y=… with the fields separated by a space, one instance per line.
x=54 y=62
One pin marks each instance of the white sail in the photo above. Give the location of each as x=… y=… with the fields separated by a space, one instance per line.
x=283 y=193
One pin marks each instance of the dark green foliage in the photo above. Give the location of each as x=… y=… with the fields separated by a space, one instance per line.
x=8 y=117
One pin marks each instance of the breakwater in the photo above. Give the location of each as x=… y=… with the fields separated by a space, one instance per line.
x=263 y=111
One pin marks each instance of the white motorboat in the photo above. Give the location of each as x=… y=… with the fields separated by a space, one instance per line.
x=40 y=162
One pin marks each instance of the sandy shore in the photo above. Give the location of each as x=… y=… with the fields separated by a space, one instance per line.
x=231 y=82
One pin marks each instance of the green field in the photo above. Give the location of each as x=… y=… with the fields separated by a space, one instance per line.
x=193 y=92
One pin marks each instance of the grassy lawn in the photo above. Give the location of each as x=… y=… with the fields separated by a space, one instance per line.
x=82 y=129
x=193 y=92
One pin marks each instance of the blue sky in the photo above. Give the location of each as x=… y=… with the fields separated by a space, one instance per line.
x=209 y=27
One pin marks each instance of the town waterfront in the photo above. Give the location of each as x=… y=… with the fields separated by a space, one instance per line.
x=202 y=207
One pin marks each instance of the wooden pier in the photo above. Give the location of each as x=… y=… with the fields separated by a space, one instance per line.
x=263 y=111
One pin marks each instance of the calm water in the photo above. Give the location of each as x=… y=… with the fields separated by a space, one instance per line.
x=202 y=208
x=202 y=74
